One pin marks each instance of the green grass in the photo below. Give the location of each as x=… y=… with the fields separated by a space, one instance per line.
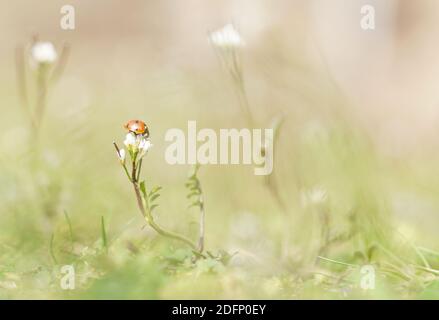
x=67 y=201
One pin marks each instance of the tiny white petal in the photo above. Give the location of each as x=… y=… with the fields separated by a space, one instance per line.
x=122 y=154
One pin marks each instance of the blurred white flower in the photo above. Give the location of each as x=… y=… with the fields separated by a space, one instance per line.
x=137 y=143
x=43 y=53
x=228 y=36
x=315 y=196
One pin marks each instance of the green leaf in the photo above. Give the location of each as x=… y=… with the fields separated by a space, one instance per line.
x=153 y=197
x=194 y=193
x=153 y=207
x=194 y=204
x=155 y=190
x=143 y=188
x=69 y=223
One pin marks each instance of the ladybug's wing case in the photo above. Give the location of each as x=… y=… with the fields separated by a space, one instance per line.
x=137 y=127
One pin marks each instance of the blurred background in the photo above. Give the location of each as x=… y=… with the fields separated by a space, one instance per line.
x=355 y=163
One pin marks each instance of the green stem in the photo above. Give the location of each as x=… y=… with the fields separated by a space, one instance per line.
x=202 y=226
x=144 y=209
x=42 y=95
x=172 y=235
x=126 y=171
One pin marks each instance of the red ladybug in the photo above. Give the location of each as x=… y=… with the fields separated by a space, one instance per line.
x=137 y=127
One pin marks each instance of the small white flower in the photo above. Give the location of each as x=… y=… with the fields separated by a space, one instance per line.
x=137 y=143
x=130 y=140
x=122 y=156
x=43 y=53
x=144 y=146
x=228 y=36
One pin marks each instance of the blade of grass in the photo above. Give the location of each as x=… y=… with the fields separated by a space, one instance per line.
x=52 y=253
x=69 y=223
x=419 y=253
x=104 y=234
x=338 y=262
x=433 y=271
x=429 y=251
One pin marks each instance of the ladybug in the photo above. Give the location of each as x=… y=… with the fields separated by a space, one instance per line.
x=137 y=127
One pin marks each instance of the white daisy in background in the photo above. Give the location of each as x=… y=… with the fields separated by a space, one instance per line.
x=227 y=37
x=43 y=53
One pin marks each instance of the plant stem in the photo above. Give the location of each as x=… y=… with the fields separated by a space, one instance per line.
x=42 y=95
x=22 y=85
x=144 y=209
x=122 y=162
x=148 y=217
x=202 y=225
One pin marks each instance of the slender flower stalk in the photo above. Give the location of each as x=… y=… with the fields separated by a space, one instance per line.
x=46 y=66
x=38 y=67
x=41 y=84
x=20 y=66
x=227 y=43
x=137 y=146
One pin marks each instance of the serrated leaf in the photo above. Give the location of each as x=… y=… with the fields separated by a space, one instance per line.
x=191 y=184
x=194 y=204
x=155 y=190
x=153 y=197
x=195 y=193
